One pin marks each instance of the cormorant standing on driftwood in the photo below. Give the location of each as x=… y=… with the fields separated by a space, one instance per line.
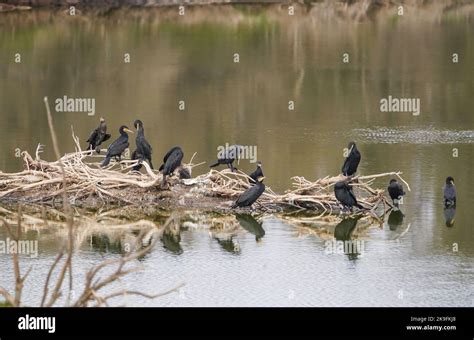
x=352 y=160
x=395 y=191
x=257 y=173
x=98 y=136
x=171 y=162
x=345 y=195
x=118 y=146
x=230 y=155
x=449 y=192
x=144 y=149
x=249 y=196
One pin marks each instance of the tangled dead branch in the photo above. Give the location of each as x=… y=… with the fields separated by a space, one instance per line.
x=42 y=181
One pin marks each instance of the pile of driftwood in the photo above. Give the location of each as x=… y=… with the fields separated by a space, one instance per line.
x=82 y=178
x=315 y=195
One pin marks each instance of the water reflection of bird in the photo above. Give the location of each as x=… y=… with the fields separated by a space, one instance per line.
x=449 y=193
x=352 y=160
x=144 y=149
x=345 y=195
x=171 y=162
x=395 y=191
x=118 y=146
x=449 y=216
x=395 y=219
x=257 y=173
x=171 y=242
x=228 y=157
x=98 y=136
x=229 y=245
x=249 y=196
x=344 y=229
x=249 y=223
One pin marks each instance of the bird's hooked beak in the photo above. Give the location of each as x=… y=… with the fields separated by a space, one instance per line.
x=128 y=130
x=102 y=119
x=260 y=178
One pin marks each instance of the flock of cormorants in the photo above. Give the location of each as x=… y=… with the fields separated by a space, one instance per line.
x=173 y=158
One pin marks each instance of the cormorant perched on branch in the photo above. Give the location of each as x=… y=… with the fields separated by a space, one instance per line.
x=118 y=146
x=257 y=173
x=249 y=196
x=144 y=149
x=345 y=195
x=395 y=191
x=171 y=161
x=352 y=160
x=449 y=192
x=229 y=156
x=98 y=136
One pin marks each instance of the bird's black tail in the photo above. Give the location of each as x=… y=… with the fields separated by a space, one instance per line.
x=151 y=164
x=106 y=161
x=214 y=165
x=359 y=206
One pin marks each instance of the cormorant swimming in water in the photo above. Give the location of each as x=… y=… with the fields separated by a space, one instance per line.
x=249 y=196
x=345 y=195
x=171 y=162
x=144 y=149
x=352 y=160
x=257 y=173
x=118 y=146
x=98 y=136
x=230 y=155
x=449 y=191
x=395 y=191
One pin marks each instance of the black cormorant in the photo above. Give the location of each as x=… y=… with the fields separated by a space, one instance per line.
x=98 y=136
x=144 y=149
x=257 y=173
x=230 y=155
x=395 y=191
x=184 y=173
x=171 y=162
x=249 y=196
x=345 y=195
x=118 y=146
x=352 y=160
x=449 y=191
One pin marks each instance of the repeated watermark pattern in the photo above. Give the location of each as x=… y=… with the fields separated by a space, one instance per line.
x=22 y=247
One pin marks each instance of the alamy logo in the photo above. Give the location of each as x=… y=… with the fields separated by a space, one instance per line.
x=66 y=104
x=344 y=247
x=24 y=247
x=237 y=152
x=392 y=104
x=37 y=323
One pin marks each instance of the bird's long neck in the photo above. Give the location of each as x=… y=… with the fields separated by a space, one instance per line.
x=141 y=132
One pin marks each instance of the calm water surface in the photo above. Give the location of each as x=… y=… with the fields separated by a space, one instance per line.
x=405 y=263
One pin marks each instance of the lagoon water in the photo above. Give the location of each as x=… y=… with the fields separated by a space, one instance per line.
x=414 y=261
